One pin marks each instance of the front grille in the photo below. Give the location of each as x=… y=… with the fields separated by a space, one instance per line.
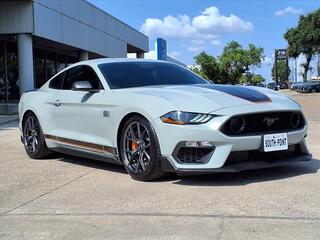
x=194 y=154
x=256 y=155
x=260 y=123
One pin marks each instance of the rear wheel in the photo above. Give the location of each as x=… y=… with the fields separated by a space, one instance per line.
x=33 y=138
x=140 y=150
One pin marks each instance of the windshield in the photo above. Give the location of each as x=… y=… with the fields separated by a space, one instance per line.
x=138 y=74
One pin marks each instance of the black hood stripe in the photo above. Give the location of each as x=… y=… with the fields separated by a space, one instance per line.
x=238 y=91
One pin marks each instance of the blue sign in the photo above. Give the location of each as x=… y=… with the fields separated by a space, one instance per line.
x=161 y=49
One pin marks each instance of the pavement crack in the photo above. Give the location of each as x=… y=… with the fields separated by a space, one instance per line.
x=224 y=217
x=46 y=193
x=220 y=228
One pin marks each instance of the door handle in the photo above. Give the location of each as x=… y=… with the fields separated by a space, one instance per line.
x=57 y=103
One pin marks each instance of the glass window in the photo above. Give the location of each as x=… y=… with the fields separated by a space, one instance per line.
x=137 y=74
x=12 y=72
x=81 y=73
x=61 y=62
x=71 y=60
x=51 y=64
x=56 y=82
x=2 y=73
x=40 y=67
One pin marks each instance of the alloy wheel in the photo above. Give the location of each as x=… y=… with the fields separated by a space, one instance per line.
x=136 y=147
x=31 y=135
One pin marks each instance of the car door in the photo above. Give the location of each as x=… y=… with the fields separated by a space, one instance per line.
x=78 y=114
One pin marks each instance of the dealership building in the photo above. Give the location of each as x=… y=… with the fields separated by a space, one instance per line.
x=159 y=53
x=40 y=37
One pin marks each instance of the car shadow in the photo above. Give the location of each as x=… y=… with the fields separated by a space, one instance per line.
x=89 y=163
x=252 y=176
x=214 y=179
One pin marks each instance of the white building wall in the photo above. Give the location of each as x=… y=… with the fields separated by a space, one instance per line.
x=16 y=16
x=75 y=23
x=84 y=13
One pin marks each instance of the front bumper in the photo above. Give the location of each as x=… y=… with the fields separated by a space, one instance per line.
x=168 y=166
x=170 y=136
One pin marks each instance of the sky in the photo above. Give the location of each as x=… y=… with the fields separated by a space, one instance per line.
x=191 y=26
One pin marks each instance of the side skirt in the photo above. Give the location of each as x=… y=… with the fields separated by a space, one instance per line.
x=84 y=149
x=88 y=155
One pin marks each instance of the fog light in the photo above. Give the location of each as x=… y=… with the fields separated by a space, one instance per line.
x=295 y=119
x=197 y=144
x=237 y=124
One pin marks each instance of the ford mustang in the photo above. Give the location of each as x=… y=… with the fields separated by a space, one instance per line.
x=154 y=117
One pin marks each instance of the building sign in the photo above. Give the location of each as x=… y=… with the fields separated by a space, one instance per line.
x=161 y=49
x=281 y=54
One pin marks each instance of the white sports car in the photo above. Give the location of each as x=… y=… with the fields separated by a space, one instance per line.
x=155 y=117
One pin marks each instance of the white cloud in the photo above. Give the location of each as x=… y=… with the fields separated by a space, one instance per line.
x=289 y=11
x=175 y=54
x=195 y=49
x=215 y=42
x=201 y=30
x=174 y=27
x=212 y=22
x=267 y=61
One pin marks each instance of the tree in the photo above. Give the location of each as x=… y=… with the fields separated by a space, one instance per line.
x=252 y=79
x=257 y=79
x=208 y=67
x=305 y=39
x=281 y=68
x=236 y=61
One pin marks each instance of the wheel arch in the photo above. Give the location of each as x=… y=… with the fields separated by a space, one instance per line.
x=23 y=119
x=120 y=127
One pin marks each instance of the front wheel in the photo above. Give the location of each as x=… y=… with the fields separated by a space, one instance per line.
x=140 y=150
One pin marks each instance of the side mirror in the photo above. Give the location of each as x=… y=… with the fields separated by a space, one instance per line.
x=83 y=86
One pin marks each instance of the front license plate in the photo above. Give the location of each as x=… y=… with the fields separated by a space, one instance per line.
x=275 y=142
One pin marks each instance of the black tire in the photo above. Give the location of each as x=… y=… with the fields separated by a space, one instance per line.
x=153 y=168
x=40 y=150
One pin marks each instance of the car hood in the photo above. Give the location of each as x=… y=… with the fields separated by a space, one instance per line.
x=211 y=97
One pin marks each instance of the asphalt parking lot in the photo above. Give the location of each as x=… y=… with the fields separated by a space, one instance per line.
x=74 y=198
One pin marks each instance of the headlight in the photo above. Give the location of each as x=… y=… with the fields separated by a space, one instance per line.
x=183 y=118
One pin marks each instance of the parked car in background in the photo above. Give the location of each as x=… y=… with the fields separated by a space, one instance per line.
x=312 y=87
x=302 y=86
x=273 y=86
x=260 y=85
x=284 y=85
x=295 y=86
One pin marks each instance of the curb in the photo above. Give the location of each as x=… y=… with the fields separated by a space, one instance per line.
x=9 y=121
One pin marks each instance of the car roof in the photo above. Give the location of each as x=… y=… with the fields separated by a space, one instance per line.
x=115 y=60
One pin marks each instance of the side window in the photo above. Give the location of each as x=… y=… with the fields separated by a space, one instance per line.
x=81 y=73
x=56 y=82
